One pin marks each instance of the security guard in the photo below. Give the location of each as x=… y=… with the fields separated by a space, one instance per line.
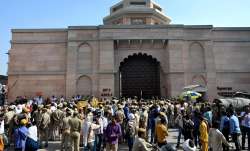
x=56 y=121
x=75 y=128
x=66 y=131
x=44 y=126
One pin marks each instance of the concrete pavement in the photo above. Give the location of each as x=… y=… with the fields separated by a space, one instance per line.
x=172 y=139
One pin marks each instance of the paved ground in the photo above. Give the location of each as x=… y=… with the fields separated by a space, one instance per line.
x=55 y=146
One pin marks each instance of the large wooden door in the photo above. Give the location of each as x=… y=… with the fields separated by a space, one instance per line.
x=140 y=76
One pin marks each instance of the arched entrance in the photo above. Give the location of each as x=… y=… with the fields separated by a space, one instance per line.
x=140 y=76
x=84 y=86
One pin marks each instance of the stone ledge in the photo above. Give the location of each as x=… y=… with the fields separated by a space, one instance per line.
x=135 y=10
x=82 y=27
x=232 y=71
x=39 y=30
x=131 y=26
x=38 y=41
x=231 y=29
x=36 y=73
x=231 y=40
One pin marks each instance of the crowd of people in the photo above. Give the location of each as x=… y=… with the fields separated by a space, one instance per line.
x=143 y=125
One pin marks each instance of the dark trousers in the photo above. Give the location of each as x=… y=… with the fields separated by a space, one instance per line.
x=99 y=140
x=130 y=142
x=236 y=140
x=196 y=136
x=245 y=131
x=225 y=132
x=179 y=136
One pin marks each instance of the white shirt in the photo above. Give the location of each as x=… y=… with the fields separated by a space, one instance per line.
x=62 y=99
x=216 y=138
x=141 y=144
x=100 y=130
x=186 y=146
x=19 y=109
x=2 y=127
x=105 y=122
x=32 y=132
x=86 y=133
x=39 y=101
x=53 y=108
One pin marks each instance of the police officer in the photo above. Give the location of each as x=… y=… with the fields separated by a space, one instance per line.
x=66 y=130
x=56 y=119
x=44 y=126
x=75 y=128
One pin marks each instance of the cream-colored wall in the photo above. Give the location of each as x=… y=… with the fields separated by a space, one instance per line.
x=52 y=62
x=37 y=57
x=37 y=62
x=29 y=85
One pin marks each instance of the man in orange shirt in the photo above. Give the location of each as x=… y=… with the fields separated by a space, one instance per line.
x=161 y=132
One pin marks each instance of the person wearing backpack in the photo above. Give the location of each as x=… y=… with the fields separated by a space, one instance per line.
x=130 y=131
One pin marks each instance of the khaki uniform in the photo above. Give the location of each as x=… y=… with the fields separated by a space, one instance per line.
x=75 y=128
x=8 y=117
x=120 y=116
x=37 y=116
x=44 y=128
x=143 y=120
x=56 y=121
x=65 y=133
x=9 y=123
x=137 y=119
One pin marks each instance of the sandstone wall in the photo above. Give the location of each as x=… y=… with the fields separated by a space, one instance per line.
x=37 y=62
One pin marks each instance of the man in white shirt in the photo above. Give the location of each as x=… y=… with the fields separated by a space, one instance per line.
x=216 y=138
x=88 y=133
x=99 y=132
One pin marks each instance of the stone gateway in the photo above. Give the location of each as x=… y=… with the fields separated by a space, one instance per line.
x=137 y=52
